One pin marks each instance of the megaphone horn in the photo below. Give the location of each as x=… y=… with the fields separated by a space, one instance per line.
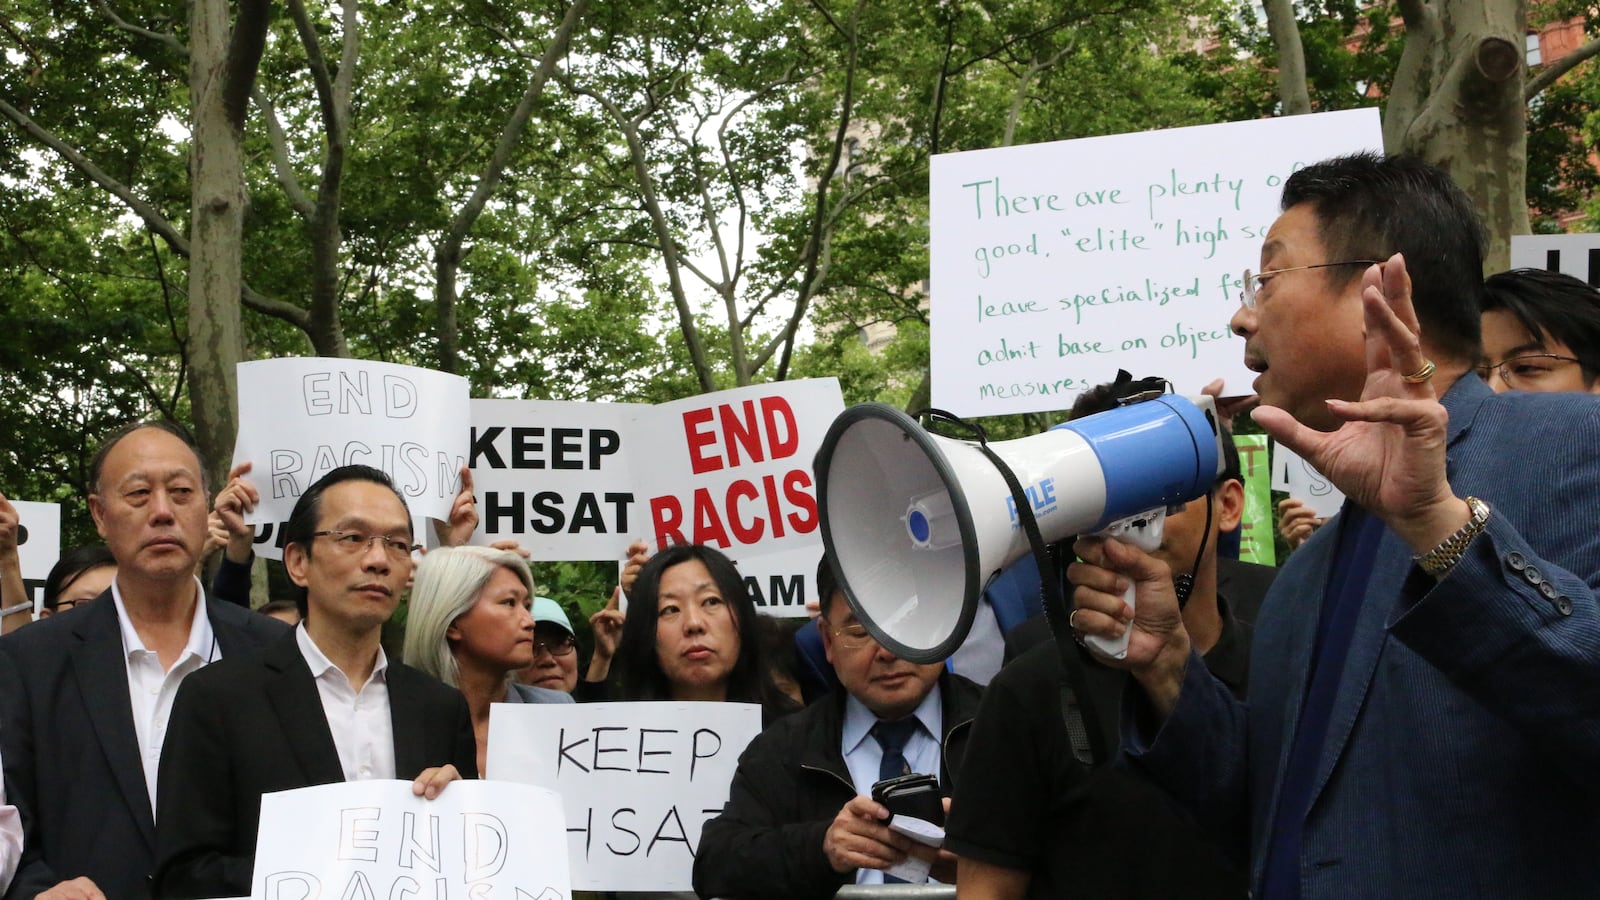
x=918 y=523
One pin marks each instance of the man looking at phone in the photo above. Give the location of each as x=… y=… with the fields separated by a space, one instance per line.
x=800 y=819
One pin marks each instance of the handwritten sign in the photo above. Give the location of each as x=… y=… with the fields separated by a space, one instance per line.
x=638 y=780
x=731 y=469
x=38 y=545
x=1055 y=264
x=1302 y=482
x=374 y=839
x=1577 y=255
x=300 y=418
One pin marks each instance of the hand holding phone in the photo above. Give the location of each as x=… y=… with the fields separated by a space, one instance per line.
x=912 y=795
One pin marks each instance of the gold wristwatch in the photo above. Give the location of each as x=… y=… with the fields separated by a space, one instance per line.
x=1441 y=559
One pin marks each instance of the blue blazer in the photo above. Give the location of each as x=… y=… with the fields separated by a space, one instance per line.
x=1463 y=751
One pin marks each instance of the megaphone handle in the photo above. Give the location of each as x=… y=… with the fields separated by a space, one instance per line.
x=1142 y=531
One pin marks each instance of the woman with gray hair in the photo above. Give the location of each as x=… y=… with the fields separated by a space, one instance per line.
x=469 y=625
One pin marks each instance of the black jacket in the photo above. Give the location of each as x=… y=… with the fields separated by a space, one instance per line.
x=72 y=763
x=253 y=724
x=790 y=784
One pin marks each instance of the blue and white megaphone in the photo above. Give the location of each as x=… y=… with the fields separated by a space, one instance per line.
x=918 y=523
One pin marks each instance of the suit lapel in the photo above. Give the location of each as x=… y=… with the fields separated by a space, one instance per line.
x=1390 y=567
x=1293 y=614
x=406 y=716
x=101 y=666
x=298 y=706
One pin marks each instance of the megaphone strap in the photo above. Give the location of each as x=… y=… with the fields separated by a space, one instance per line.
x=1078 y=712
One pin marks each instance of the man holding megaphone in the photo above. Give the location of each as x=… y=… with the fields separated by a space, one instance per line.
x=1423 y=716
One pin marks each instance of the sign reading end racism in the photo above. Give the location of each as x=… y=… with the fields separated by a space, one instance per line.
x=300 y=418
x=368 y=840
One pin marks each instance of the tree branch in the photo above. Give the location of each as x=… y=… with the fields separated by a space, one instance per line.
x=166 y=38
x=658 y=220
x=447 y=256
x=1552 y=73
x=245 y=45
x=819 y=241
x=281 y=164
x=151 y=216
x=1285 y=33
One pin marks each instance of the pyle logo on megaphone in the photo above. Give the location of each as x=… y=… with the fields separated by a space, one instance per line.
x=1041 y=496
x=917 y=523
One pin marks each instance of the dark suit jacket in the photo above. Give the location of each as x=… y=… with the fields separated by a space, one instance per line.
x=1462 y=756
x=254 y=724
x=71 y=753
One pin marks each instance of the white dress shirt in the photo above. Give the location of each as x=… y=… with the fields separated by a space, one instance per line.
x=151 y=689
x=10 y=840
x=863 y=755
x=363 y=733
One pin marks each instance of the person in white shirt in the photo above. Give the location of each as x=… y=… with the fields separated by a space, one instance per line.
x=322 y=705
x=83 y=718
x=10 y=840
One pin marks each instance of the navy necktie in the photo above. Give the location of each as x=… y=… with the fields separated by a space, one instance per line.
x=892 y=737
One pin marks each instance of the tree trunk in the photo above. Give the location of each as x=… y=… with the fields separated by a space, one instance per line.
x=223 y=63
x=1474 y=123
x=1293 y=92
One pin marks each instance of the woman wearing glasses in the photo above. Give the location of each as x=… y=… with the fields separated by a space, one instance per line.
x=555 y=651
x=691 y=634
x=470 y=626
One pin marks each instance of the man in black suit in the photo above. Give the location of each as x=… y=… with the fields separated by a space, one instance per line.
x=319 y=706
x=84 y=709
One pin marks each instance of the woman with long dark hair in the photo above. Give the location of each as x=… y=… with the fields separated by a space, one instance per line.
x=691 y=634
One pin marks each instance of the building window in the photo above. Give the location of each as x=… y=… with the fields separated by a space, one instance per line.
x=1531 y=43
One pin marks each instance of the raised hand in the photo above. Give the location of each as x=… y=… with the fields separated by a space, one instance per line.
x=1388 y=456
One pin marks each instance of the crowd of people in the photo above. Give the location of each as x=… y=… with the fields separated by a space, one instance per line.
x=1409 y=706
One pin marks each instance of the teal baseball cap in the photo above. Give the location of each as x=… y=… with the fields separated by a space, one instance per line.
x=547 y=610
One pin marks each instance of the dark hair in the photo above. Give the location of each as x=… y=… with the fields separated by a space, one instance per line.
x=72 y=564
x=1554 y=308
x=1370 y=206
x=640 y=668
x=115 y=438
x=827 y=583
x=302 y=522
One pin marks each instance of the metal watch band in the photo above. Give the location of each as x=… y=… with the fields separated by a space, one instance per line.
x=1441 y=559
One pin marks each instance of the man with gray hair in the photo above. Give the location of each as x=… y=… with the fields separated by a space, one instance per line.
x=83 y=718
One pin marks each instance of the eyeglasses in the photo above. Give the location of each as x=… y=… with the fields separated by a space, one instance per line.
x=1254 y=281
x=556 y=643
x=353 y=542
x=1528 y=370
x=853 y=637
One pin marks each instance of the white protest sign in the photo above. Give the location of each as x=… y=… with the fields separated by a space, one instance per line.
x=1296 y=476
x=557 y=476
x=1577 y=255
x=374 y=839
x=638 y=780
x=1053 y=265
x=733 y=469
x=38 y=544
x=301 y=417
